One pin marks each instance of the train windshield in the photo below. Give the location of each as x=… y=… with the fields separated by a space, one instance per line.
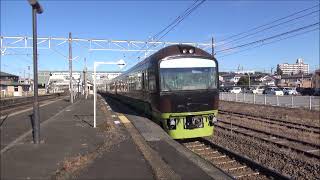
x=188 y=74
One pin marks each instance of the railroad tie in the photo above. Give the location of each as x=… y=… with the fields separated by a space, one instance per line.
x=225 y=162
x=236 y=168
x=216 y=157
x=246 y=175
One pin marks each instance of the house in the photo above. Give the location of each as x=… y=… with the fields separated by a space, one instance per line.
x=316 y=79
x=268 y=80
x=230 y=78
x=10 y=85
x=297 y=80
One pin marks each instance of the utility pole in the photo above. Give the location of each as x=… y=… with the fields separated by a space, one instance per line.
x=85 y=79
x=29 y=82
x=70 y=68
x=212 y=46
x=249 y=78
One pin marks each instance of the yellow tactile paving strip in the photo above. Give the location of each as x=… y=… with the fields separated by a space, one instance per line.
x=123 y=119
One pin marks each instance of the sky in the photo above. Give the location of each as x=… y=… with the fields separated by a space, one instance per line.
x=140 y=20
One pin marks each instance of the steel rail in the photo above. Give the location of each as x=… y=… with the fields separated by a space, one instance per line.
x=273 y=119
x=279 y=144
x=271 y=134
x=27 y=101
x=236 y=161
x=268 y=121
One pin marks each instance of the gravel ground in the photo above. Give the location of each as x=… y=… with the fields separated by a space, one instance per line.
x=274 y=129
x=282 y=160
x=294 y=115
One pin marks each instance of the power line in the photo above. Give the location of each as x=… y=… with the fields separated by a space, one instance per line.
x=192 y=10
x=183 y=14
x=184 y=17
x=270 y=27
x=174 y=21
x=258 y=27
x=305 y=32
x=173 y=24
x=269 y=38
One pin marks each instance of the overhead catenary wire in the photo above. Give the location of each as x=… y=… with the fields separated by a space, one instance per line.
x=270 y=27
x=192 y=10
x=185 y=15
x=272 y=22
x=269 y=38
x=175 y=20
x=172 y=25
x=305 y=32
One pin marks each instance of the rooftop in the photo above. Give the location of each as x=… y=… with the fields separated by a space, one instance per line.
x=4 y=74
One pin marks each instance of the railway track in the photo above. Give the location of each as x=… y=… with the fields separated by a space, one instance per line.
x=288 y=124
x=14 y=106
x=26 y=101
x=306 y=148
x=236 y=165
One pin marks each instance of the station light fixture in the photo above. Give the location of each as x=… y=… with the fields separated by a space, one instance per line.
x=36 y=9
x=36 y=5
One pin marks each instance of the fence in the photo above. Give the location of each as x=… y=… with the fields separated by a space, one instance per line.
x=309 y=102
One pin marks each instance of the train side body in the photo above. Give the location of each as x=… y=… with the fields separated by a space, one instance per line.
x=177 y=87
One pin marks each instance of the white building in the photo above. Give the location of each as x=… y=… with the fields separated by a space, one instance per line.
x=105 y=75
x=57 y=81
x=298 y=67
x=230 y=78
x=245 y=72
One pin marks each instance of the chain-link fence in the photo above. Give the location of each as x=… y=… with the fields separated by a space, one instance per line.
x=291 y=101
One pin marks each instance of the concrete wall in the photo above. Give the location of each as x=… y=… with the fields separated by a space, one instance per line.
x=9 y=92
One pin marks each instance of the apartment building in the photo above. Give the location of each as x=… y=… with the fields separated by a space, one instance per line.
x=298 y=68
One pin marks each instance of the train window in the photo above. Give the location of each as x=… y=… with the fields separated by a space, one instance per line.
x=142 y=81
x=146 y=80
x=188 y=78
x=196 y=74
x=152 y=81
x=138 y=81
x=130 y=81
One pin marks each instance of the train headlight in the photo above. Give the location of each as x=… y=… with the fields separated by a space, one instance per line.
x=184 y=51
x=191 y=51
x=172 y=123
x=212 y=119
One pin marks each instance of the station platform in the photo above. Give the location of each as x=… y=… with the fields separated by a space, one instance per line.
x=124 y=145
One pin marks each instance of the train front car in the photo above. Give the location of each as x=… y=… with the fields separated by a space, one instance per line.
x=189 y=95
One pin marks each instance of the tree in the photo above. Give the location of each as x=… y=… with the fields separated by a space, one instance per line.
x=279 y=71
x=243 y=81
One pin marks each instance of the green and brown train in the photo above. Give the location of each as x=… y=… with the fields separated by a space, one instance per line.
x=177 y=87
